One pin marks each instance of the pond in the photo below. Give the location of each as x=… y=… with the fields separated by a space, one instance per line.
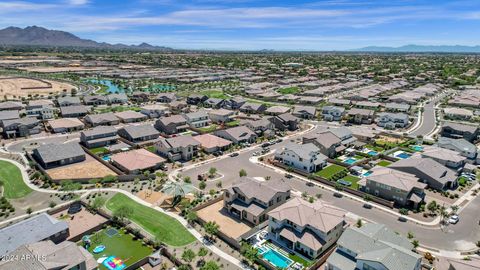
x=112 y=88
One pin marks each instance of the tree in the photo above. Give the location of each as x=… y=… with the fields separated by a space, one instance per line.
x=210 y=265
x=211 y=228
x=415 y=243
x=184 y=267
x=248 y=252
x=410 y=235
x=202 y=252
x=188 y=255
x=242 y=173
x=191 y=216
x=432 y=207
x=29 y=210
x=202 y=185
x=359 y=223
x=454 y=209
x=212 y=171
x=123 y=212
x=98 y=203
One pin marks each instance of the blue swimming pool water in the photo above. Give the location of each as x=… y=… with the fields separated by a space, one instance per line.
x=403 y=155
x=112 y=88
x=276 y=259
x=262 y=250
x=106 y=158
x=372 y=153
x=417 y=148
x=367 y=173
x=350 y=161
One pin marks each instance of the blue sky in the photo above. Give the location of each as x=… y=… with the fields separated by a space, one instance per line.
x=256 y=24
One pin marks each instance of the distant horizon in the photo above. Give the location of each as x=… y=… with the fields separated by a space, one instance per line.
x=248 y=25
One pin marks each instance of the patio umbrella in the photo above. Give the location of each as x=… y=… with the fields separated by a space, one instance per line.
x=177 y=189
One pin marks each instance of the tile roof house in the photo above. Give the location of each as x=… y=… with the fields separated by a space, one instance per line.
x=11 y=105
x=250 y=107
x=457 y=130
x=250 y=200
x=99 y=136
x=58 y=154
x=131 y=116
x=65 y=255
x=327 y=143
x=139 y=133
x=155 y=110
x=117 y=98
x=277 y=110
x=9 y=115
x=462 y=146
x=171 y=124
x=306 y=228
x=20 y=127
x=211 y=143
x=102 y=119
x=31 y=230
x=458 y=113
x=214 y=103
x=286 y=121
x=262 y=127
x=42 y=109
x=197 y=119
x=178 y=148
x=221 y=116
x=234 y=103
x=240 y=134
x=304 y=157
x=304 y=112
x=397 y=107
x=68 y=101
x=404 y=189
x=392 y=120
x=95 y=100
x=74 y=111
x=429 y=171
x=195 y=99
x=166 y=97
x=443 y=156
x=65 y=125
x=332 y=113
x=136 y=161
x=373 y=246
x=360 y=116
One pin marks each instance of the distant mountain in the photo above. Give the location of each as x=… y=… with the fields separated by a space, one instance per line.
x=422 y=48
x=39 y=36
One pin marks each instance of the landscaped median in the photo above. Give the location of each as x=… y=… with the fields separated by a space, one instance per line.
x=165 y=228
x=13 y=185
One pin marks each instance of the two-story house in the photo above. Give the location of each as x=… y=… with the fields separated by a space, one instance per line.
x=392 y=120
x=237 y=135
x=304 y=157
x=250 y=200
x=332 y=113
x=177 y=148
x=197 y=119
x=99 y=136
x=139 y=133
x=171 y=124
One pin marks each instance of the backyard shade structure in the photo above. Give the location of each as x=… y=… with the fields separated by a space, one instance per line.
x=177 y=189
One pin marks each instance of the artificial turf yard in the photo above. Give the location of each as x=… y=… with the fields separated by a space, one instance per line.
x=121 y=245
x=165 y=228
x=352 y=179
x=13 y=185
x=330 y=171
x=384 y=163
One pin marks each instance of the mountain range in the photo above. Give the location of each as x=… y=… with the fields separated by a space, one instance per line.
x=422 y=48
x=42 y=37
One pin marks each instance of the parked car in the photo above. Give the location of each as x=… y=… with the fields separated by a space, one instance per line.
x=267 y=144
x=233 y=154
x=454 y=219
x=256 y=153
x=287 y=175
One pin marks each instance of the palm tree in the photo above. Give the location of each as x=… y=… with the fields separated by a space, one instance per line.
x=178 y=190
x=211 y=228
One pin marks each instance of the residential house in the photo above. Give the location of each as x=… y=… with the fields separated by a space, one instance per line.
x=360 y=116
x=42 y=109
x=472 y=263
x=397 y=107
x=137 y=161
x=65 y=255
x=250 y=200
x=444 y=156
x=68 y=101
x=99 y=136
x=462 y=146
x=221 y=116
x=131 y=116
x=261 y=127
x=196 y=99
x=102 y=119
x=215 y=103
x=277 y=110
x=11 y=106
x=234 y=103
x=62 y=125
x=392 y=120
x=457 y=130
x=154 y=110
x=117 y=98
x=58 y=154
x=250 y=108
x=304 y=112
x=340 y=102
x=304 y=157
x=428 y=171
x=237 y=135
x=166 y=97
x=35 y=228
x=8 y=115
x=403 y=188
x=95 y=100
x=327 y=143
x=171 y=124
x=140 y=97
x=197 y=119
x=20 y=127
x=374 y=247
x=286 y=121
x=305 y=228
x=74 y=111
x=368 y=105
x=178 y=148
x=211 y=143
x=139 y=133
x=458 y=113
x=332 y=113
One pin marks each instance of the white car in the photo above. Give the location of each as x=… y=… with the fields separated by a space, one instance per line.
x=454 y=219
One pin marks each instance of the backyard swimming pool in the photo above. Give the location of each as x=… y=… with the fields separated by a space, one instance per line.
x=367 y=173
x=403 y=155
x=350 y=161
x=372 y=153
x=275 y=258
x=417 y=148
x=107 y=157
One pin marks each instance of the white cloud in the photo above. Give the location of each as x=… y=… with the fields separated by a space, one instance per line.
x=78 y=2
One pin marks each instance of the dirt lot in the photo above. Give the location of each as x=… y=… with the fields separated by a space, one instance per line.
x=61 y=69
x=153 y=197
x=228 y=224
x=90 y=168
x=21 y=87
x=80 y=222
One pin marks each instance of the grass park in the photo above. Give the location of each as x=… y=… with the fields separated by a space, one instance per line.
x=163 y=227
x=11 y=179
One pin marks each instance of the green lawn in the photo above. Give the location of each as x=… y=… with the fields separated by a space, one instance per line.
x=375 y=148
x=354 y=180
x=208 y=129
x=214 y=94
x=13 y=185
x=329 y=171
x=122 y=246
x=99 y=150
x=163 y=227
x=118 y=109
x=233 y=123
x=289 y=90
x=384 y=163
x=151 y=148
